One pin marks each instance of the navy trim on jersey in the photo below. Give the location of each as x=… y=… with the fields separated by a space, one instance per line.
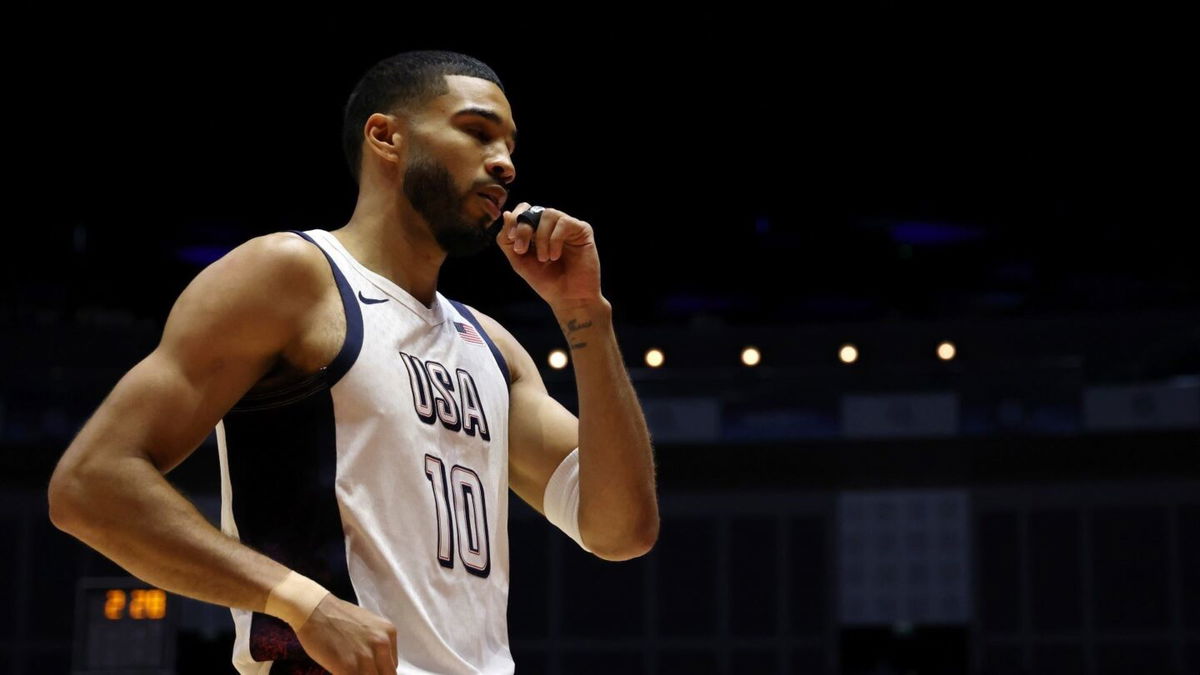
x=352 y=345
x=491 y=345
x=328 y=375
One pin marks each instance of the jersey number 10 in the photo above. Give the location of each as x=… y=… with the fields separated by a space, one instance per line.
x=461 y=509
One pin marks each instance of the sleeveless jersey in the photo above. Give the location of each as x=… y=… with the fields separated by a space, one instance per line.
x=383 y=477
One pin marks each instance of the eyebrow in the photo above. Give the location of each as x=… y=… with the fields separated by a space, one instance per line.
x=489 y=115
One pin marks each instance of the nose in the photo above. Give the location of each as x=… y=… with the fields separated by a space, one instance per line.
x=501 y=167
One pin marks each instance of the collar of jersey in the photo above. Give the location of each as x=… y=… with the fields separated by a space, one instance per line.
x=432 y=315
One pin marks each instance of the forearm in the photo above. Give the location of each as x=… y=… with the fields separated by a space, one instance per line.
x=618 y=505
x=130 y=513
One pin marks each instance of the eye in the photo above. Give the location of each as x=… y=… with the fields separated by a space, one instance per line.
x=485 y=137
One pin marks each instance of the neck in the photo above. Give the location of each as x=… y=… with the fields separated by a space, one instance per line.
x=392 y=240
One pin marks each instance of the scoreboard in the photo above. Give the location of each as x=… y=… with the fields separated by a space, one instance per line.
x=123 y=626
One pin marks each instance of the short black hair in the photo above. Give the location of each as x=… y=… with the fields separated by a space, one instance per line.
x=403 y=83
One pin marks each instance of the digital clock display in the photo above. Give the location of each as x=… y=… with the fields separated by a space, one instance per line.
x=123 y=625
x=138 y=603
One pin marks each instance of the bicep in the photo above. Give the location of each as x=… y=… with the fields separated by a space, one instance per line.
x=541 y=433
x=222 y=335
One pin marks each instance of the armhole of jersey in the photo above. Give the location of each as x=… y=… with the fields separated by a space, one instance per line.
x=462 y=309
x=352 y=344
x=327 y=376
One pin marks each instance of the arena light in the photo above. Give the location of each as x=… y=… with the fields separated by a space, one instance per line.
x=848 y=353
x=654 y=358
x=946 y=350
x=558 y=359
x=751 y=356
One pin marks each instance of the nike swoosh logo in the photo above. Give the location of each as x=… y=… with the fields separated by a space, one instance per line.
x=370 y=301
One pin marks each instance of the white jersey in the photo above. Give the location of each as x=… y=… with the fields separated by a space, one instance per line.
x=383 y=477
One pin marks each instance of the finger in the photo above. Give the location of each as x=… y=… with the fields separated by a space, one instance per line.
x=507 y=246
x=383 y=658
x=368 y=665
x=511 y=217
x=507 y=231
x=525 y=235
x=395 y=649
x=522 y=232
x=503 y=242
x=550 y=220
x=566 y=228
x=507 y=237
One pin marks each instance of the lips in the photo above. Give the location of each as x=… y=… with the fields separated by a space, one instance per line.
x=492 y=207
x=497 y=194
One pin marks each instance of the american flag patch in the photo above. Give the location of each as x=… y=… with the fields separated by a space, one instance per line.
x=466 y=332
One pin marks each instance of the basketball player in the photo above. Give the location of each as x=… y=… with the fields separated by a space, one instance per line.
x=369 y=428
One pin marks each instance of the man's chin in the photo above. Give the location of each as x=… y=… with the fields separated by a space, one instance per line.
x=473 y=244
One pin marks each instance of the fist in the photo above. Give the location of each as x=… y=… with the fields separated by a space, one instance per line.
x=558 y=259
x=346 y=639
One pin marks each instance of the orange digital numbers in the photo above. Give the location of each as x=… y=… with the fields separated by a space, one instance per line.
x=137 y=604
x=144 y=603
x=114 y=604
x=156 y=603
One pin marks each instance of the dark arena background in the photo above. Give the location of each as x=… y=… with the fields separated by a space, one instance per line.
x=923 y=284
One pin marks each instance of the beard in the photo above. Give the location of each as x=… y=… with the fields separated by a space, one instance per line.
x=431 y=191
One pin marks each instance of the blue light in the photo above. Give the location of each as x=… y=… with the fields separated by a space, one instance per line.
x=933 y=234
x=201 y=254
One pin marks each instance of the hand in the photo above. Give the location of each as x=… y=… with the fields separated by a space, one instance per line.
x=346 y=639
x=559 y=260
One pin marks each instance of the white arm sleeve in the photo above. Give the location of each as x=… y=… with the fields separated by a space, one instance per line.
x=561 y=501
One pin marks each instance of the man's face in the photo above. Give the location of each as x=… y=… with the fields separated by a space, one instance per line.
x=431 y=188
x=452 y=156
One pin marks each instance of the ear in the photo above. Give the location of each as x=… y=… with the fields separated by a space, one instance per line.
x=384 y=136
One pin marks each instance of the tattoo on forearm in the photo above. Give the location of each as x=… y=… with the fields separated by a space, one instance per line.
x=573 y=326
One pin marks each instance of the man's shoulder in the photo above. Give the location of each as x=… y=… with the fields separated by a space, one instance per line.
x=279 y=260
x=253 y=301
x=284 y=249
x=271 y=275
x=510 y=348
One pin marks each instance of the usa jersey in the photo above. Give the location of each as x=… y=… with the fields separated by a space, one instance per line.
x=383 y=477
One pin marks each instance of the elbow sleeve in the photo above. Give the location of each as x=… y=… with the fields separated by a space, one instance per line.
x=561 y=501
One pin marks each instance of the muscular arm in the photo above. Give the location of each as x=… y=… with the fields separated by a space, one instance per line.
x=618 y=504
x=224 y=332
